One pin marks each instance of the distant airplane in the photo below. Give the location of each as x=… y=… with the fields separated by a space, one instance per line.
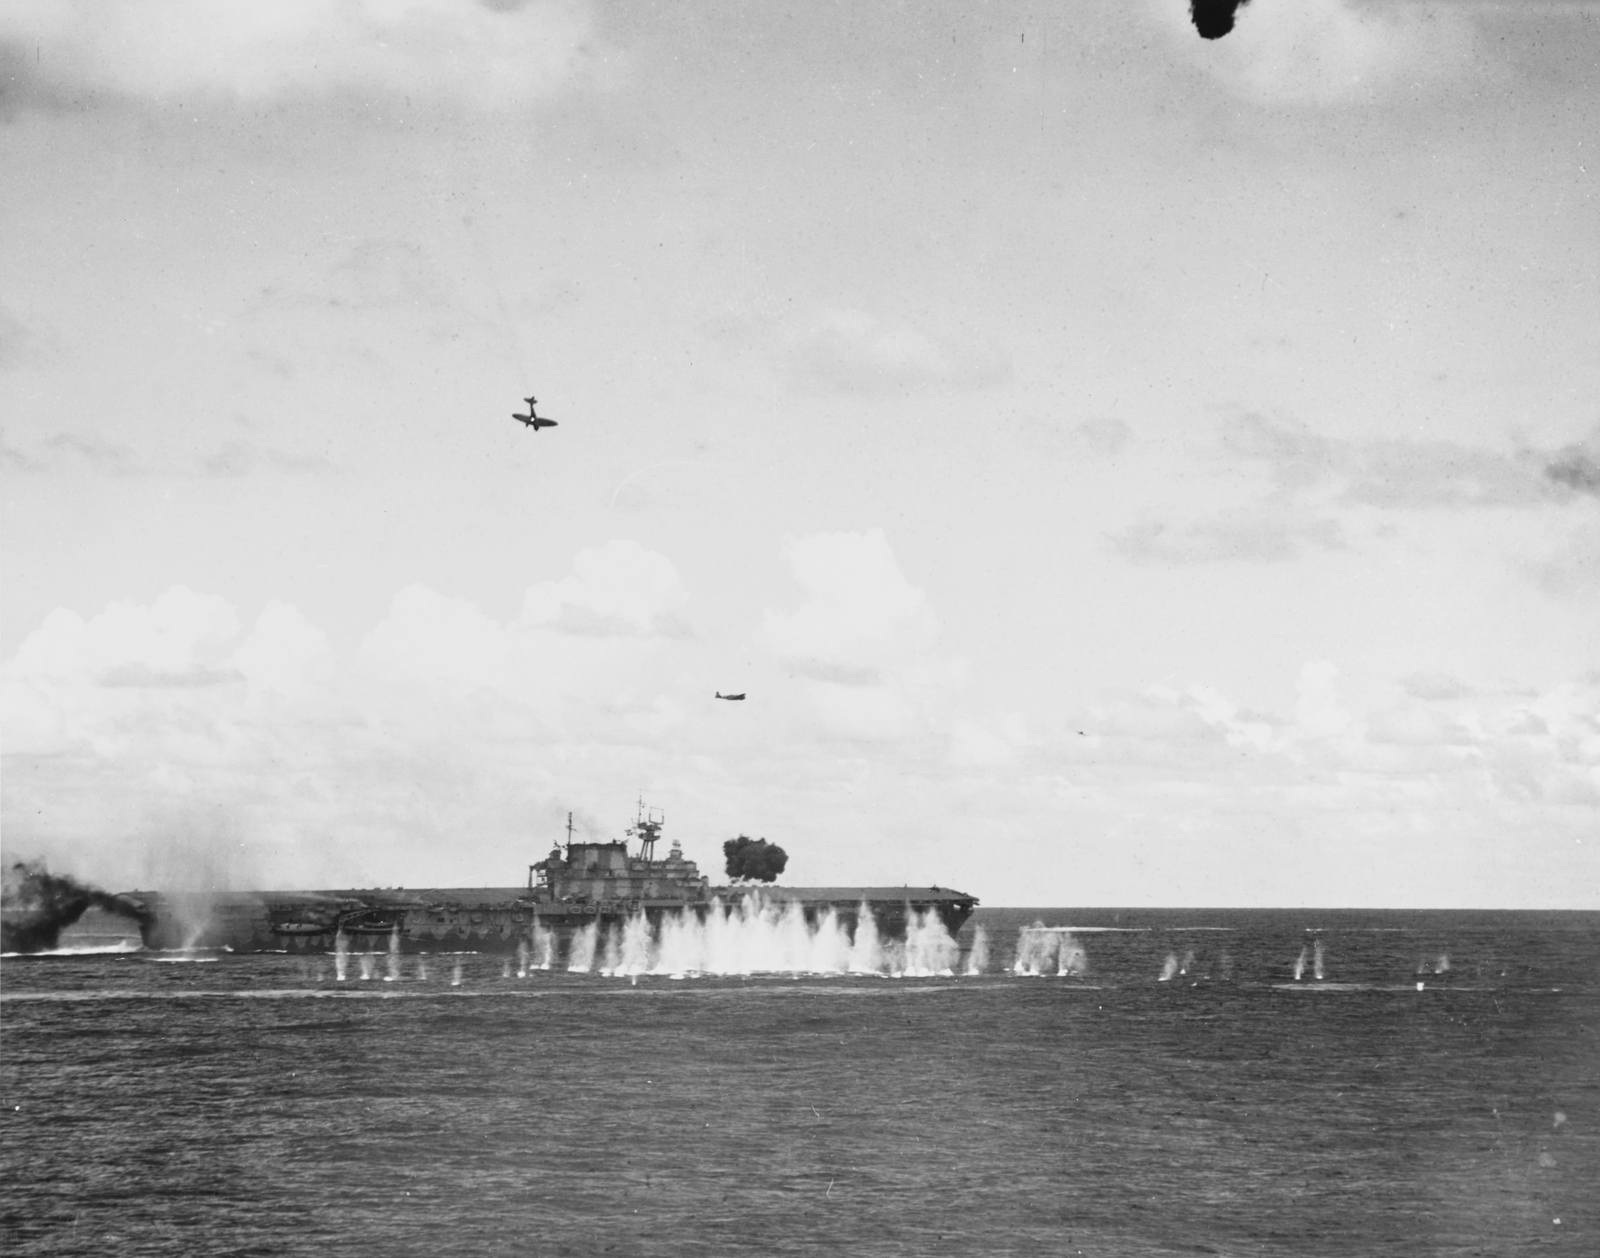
x=533 y=419
x=720 y=695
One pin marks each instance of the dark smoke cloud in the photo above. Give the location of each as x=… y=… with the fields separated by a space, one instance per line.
x=1577 y=469
x=36 y=906
x=1214 y=18
x=754 y=858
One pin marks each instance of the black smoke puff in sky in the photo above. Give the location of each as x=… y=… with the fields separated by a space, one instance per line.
x=39 y=905
x=1214 y=18
x=754 y=858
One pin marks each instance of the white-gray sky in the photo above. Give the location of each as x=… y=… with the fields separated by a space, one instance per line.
x=1120 y=467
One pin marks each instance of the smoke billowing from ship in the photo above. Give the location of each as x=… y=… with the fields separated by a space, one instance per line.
x=755 y=859
x=36 y=906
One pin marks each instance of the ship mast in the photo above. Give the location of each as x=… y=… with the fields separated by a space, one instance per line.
x=647 y=829
x=531 y=868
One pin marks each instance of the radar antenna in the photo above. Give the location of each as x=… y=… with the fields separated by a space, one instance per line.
x=647 y=829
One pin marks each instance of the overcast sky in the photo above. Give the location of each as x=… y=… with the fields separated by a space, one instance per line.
x=1120 y=468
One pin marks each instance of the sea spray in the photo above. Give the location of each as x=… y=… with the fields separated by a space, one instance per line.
x=635 y=958
x=866 y=952
x=929 y=950
x=367 y=967
x=455 y=974
x=1071 y=959
x=760 y=934
x=580 y=959
x=341 y=956
x=1316 y=960
x=978 y=958
x=1300 y=966
x=394 y=957
x=522 y=958
x=544 y=946
x=1169 y=968
x=1045 y=950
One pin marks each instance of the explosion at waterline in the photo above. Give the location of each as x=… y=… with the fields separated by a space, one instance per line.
x=36 y=906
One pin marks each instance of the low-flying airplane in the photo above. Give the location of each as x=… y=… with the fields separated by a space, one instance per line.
x=533 y=419
x=720 y=695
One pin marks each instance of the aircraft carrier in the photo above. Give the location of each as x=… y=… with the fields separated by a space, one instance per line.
x=580 y=884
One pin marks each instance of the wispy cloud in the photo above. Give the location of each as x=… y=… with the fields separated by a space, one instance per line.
x=77 y=453
x=1261 y=535
x=852 y=351
x=242 y=458
x=85 y=450
x=1309 y=482
x=487 y=54
x=1577 y=467
x=1401 y=473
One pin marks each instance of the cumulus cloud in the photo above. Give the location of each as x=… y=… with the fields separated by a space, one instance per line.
x=864 y=639
x=168 y=737
x=120 y=725
x=618 y=588
x=852 y=351
x=860 y=615
x=488 y=54
x=173 y=637
x=581 y=644
x=284 y=653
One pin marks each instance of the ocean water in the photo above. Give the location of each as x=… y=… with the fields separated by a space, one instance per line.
x=1154 y=1082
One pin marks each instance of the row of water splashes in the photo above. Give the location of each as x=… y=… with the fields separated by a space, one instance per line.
x=756 y=937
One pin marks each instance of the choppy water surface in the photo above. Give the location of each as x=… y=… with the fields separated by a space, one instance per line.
x=1112 y=1084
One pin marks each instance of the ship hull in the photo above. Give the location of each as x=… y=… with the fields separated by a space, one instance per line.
x=504 y=920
